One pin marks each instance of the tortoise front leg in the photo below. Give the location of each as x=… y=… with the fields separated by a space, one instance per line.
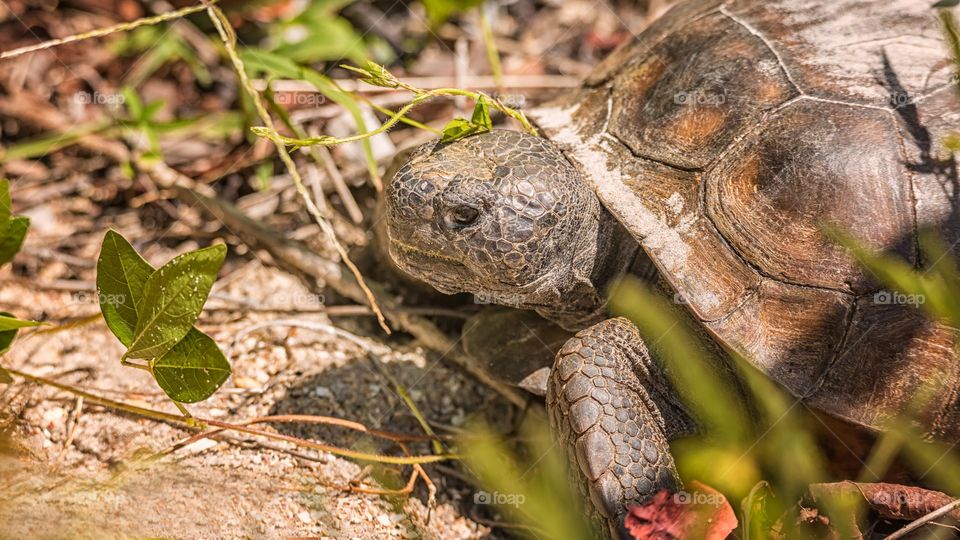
x=613 y=411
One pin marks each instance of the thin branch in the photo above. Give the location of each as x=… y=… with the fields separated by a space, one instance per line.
x=100 y=32
x=916 y=524
x=229 y=38
x=201 y=424
x=71 y=434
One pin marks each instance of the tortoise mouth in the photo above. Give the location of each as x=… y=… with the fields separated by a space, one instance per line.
x=425 y=261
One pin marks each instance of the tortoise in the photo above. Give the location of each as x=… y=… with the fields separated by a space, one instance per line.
x=713 y=146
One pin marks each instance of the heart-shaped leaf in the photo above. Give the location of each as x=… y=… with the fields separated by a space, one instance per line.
x=189 y=368
x=11 y=241
x=193 y=369
x=121 y=275
x=172 y=299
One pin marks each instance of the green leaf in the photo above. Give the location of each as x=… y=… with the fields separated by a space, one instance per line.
x=256 y=60
x=328 y=39
x=12 y=241
x=121 y=275
x=438 y=11
x=188 y=365
x=936 y=289
x=133 y=103
x=317 y=33
x=375 y=74
x=952 y=141
x=45 y=144
x=193 y=369
x=152 y=109
x=6 y=206
x=481 y=115
x=459 y=128
x=6 y=339
x=946 y=4
x=5 y=377
x=6 y=336
x=172 y=299
x=9 y=322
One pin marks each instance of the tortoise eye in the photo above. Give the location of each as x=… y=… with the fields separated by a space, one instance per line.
x=461 y=216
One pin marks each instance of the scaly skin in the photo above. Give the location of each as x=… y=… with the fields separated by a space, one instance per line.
x=602 y=408
x=505 y=216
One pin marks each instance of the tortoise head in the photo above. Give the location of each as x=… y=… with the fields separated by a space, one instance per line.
x=501 y=215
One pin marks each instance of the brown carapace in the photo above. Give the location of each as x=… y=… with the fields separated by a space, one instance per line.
x=722 y=140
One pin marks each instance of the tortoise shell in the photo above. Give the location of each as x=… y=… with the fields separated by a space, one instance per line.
x=728 y=133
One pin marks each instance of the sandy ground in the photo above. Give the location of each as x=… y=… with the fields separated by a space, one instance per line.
x=79 y=471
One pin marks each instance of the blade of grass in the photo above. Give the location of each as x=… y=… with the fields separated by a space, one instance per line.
x=229 y=41
x=493 y=56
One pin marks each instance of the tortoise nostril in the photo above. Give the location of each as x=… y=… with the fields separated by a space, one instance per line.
x=461 y=216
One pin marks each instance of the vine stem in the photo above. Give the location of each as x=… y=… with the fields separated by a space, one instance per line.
x=420 y=96
x=202 y=424
x=228 y=37
x=100 y=32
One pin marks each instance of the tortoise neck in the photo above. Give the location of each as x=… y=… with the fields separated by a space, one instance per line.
x=607 y=251
x=618 y=253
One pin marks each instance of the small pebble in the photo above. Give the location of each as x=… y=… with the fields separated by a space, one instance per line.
x=200 y=446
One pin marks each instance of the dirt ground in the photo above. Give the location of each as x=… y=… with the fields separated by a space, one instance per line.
x=79 y=471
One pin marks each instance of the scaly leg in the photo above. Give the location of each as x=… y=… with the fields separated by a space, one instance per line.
x=613 y=410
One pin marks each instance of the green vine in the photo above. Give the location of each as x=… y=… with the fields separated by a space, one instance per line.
x=377 y=75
